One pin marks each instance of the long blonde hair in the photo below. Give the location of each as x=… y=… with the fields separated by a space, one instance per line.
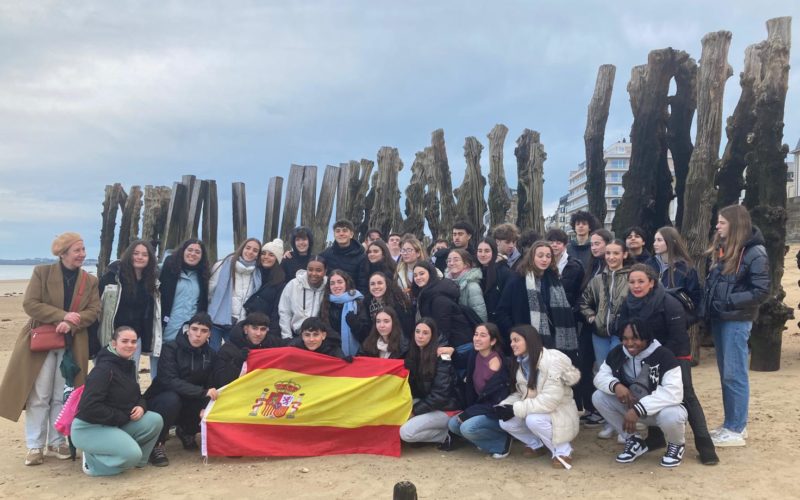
x=728 y=250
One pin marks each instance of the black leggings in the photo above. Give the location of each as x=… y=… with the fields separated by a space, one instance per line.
x=697 y=419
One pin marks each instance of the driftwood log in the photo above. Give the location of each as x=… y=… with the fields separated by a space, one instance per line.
x=530 y=177
x=765 y=194
x=593 y=139
x=385 y=215
x=499 y=192
x=471 y=202
x=700 y=195
x=682 y=106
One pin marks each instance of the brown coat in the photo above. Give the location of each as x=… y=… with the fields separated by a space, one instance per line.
x=44 y=302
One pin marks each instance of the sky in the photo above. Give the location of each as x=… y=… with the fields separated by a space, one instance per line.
x=96 y=92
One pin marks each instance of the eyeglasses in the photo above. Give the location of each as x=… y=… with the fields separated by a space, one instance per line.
x=407 y=250
x=453 y=259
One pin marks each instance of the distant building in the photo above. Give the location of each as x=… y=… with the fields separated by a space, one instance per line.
x=792 y=185
x=618 y=158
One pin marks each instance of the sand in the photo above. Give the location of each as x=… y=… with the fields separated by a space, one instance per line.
x=766 y=468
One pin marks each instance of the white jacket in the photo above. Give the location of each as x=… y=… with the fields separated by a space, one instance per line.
x=553 y=394
x=299 y=301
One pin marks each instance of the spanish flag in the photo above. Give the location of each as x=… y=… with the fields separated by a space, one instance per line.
x=293 y=402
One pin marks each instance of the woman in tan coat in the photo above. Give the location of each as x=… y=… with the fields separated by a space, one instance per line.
x=33 y=380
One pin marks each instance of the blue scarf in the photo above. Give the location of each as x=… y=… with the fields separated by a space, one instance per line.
x=220 y=305
x=524 y=364
x=348 y=300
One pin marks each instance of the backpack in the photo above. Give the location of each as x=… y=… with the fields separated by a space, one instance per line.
x=689 y=307
x=472 y=317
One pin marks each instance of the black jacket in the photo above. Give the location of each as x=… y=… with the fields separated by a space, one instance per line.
x=331 y=346
x=352 y=260
x=683 y=277
x=492 y=296
x=169 y=282
x=297 y=262
x=360 y=325
x=406 y=315
x=583 y=253
x=438 y=393
x=229 y=360
x=183 y=369
x=439 y=300
x=496 y=390
x=400 y=354
x=111 y=391
x=736 y=297
x=266 y=298
x=572 y=279
x=643 y=257
x=666 y=320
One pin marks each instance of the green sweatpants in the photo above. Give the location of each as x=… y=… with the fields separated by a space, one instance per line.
x=111 y=450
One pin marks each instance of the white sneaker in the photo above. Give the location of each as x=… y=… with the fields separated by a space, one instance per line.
x=718 y=430
x=727 y=438
x=84 y=465
x=606 y=433
x=620 y=439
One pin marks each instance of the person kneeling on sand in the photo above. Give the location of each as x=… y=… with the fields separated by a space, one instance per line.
x=640 y=381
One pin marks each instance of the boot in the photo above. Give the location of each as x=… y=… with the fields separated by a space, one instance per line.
x=706 y=450
x=655 y=438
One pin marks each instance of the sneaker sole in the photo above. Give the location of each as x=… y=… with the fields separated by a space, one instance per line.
x=730 y=444
x=629 y=460
x=671 y=465
x=159 y=464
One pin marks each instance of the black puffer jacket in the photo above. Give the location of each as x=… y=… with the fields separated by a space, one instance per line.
x=351 y=259
x=267 y=298
x=665 y=318
x=183 y=369
x=111 y=391
x=297 y=262
x=736 y=297
x=231 y=356
x=360 y=325
x=439 y=300
x=438 y=393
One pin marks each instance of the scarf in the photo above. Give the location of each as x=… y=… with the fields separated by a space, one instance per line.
x=551 y=313
x=383 y=348
x=525 y=365
x=220 y=306
x=348 y=300
x=644 y=307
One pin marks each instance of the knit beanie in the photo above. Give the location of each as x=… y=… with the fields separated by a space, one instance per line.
x=275 y=247
x=62 y=242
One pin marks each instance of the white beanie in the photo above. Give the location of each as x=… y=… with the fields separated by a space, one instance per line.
x=275 y=247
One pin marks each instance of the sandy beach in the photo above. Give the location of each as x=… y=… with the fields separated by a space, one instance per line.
x=765 y=468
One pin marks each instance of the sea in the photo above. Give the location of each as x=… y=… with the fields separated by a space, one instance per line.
x=24 y=272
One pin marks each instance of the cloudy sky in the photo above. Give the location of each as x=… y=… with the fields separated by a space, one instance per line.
x=93 y=93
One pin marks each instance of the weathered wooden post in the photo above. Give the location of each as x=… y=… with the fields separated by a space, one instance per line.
x=308 y=198
x=210 y=218
x=272 y=213
x=765 y=194
x=404 y=490
x=352 y=202
x=294 y=189
x=433 y=213
x=499 y=193
x=239 y=202
x=110 y=207
x=593 y=138
x=530 y=177
x=679 y=128
x=156 y=208
x=129 y=225
x=471 y=203
x=385 y=214
x=196 y=196
x=415 y=193
x=443 y=180
x=176 y=217
x=322 y=216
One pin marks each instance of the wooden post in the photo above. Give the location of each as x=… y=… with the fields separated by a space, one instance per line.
x=239 y=202
x=431 y=198
x=210 y=218
x=593 y=138
x=322 y=218
x=176 y=217
x=471 y=203
x=499 y=193
x=766 y=190
x=530 y=176
x=196 y=196
x=110 y=207
x=415 y=193
x=272 y=213
x=308 y=200
x=129 y=225
x=404 y=490
x=294 y=188
x=679 y=125
x=385 y=215
x=352 y=202
x=444 y=182
x=156 y=207
x=700 y=195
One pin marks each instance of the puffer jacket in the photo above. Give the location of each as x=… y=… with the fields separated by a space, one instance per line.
x=183 y=369
x=439 y=300
x=602 y=299
x=231 y=356
x=111 y=391
x=351 y=259
x=553 y=394
x=470 y=294
x=667 y=321
x=438 y=393
x=736 y=297
x=683 y=277
x=299 y=301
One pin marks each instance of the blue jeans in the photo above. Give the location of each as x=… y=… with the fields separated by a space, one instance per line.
x=482 y=431
x=218 y=334
x=602 y=346
x=730 y=342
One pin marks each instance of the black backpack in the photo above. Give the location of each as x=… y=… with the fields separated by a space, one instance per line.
x=472 y=317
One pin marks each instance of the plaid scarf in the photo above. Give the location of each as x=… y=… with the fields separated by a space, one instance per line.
x=551 y=313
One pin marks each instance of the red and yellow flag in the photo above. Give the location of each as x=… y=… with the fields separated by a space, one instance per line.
x=293 y=402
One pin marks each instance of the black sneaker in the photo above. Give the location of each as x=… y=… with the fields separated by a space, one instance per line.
x=158 y=457
x=634 y=448
x=447 y=444
x=187 y=440
x=592 y=420
x=674 y=455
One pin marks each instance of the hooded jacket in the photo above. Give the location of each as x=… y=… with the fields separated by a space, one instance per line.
x=297 y=262
x=439 y=300
x=299 y=301
x=602 y=299
x=663 y=316
x=229 y=360
x=470 y=294
x=553 y=394
x=654 y=371
x=736 y=297
x=111 y=391
x=351 y=259
x=183 y=369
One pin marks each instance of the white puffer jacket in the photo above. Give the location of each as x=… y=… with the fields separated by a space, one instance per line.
x=553 y=395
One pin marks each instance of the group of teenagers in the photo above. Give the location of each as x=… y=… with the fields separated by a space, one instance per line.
x=508 y=337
